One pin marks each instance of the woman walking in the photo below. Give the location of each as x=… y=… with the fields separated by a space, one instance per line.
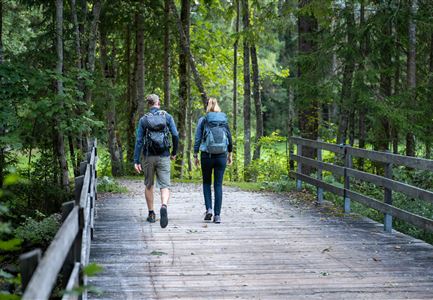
x=213 y=139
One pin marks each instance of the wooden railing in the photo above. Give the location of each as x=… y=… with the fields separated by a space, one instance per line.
x=69 y=251
x=347 y=172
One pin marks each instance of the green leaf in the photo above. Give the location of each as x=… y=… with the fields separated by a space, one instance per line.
x=4 y=296
x=92 y=269
x=10 y=245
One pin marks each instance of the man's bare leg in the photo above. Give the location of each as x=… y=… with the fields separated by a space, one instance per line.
x=165 y=195
x=149 y=197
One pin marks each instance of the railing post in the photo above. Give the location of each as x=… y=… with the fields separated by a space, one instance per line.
x=28 y=263
x=347 y=165
x=78 y=186
x=319 y=176
x=298 y=181
x=388 y=199
x=83 y=166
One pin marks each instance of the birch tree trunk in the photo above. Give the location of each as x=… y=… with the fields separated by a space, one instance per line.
x=139 y=75
x=257 y=101
x=235 y=91
x=247 y=90
x=60 y=143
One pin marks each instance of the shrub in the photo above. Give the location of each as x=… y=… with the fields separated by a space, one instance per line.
x=39 y=230
x=109 y=185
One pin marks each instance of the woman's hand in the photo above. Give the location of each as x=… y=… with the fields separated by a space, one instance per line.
x=230 y=159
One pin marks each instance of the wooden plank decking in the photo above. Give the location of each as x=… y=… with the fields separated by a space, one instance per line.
x=267 y=247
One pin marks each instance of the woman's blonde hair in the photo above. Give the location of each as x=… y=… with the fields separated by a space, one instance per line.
x=212 y=105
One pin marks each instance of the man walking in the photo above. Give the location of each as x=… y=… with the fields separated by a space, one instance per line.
x=153 y=140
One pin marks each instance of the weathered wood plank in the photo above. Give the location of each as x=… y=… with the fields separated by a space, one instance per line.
x=316 y=182
x=337 y=170
x=317 y=144
x=411 y=218
x=398 y=160
x=44 y=277
x=394 y=185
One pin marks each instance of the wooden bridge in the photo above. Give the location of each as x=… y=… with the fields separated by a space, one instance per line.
x=268 y=246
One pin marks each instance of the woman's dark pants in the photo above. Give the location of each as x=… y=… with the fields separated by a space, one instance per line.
x=216 y=163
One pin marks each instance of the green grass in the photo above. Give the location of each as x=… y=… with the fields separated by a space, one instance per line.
x=246 y=186
x=110 y=185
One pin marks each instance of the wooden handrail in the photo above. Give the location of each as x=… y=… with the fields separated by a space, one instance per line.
x=347 y=171
x=70 y=247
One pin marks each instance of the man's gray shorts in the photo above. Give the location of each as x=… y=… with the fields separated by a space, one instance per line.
x=159 y=166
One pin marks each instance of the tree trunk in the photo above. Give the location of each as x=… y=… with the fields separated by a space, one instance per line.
x=309 y=112
x=257 y=101
x=411 y=72
x=60 y=143
x=383 y=136
x=109 y=71
x=189 y=142
x=167 y=55
x=2 y=150
x=93 y=34
x=130 y=98
x=235 y=91
x=247 y=90
x=139 y=55
x=184 y=43
x=1 y=32
x=183 y=87
x=349 y=66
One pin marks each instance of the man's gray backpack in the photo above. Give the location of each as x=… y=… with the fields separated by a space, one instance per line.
x=156 y=136
x=215 y=133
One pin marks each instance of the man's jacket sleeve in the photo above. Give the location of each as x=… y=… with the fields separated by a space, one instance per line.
x=139 y=141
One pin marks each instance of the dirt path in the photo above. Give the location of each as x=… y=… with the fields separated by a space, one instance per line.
x=267 y=247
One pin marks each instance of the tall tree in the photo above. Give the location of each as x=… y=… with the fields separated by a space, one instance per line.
x=257 y=101
x=131 y=92
x=1 y=32
x=184 y=71
x=2 y=150
x=383 y=135
x=308 y=96
x=247 y=86
x=346 y=107
x=109 y=73
x=167 y=55
x=184 y=44
x=59 y=142
x=235 y=88
x=411 y=71
x=139 y=56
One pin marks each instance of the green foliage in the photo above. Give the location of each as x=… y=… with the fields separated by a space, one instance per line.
x=109 y=185
x=40 y=230
x=273 y=161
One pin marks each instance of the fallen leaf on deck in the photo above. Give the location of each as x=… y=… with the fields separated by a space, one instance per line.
x=158 y=253
x=376 y=259
x=327 y=249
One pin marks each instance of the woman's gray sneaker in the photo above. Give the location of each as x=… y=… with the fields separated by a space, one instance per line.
x=217 y=219
x=208 y=215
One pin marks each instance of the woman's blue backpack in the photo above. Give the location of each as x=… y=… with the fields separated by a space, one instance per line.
x=215 y=137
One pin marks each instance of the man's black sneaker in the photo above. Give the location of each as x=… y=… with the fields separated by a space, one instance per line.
x=151 y=217
x=164 y=219
x=208 y=215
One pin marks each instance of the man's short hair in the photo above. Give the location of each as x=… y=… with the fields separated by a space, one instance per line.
x=152 y=99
